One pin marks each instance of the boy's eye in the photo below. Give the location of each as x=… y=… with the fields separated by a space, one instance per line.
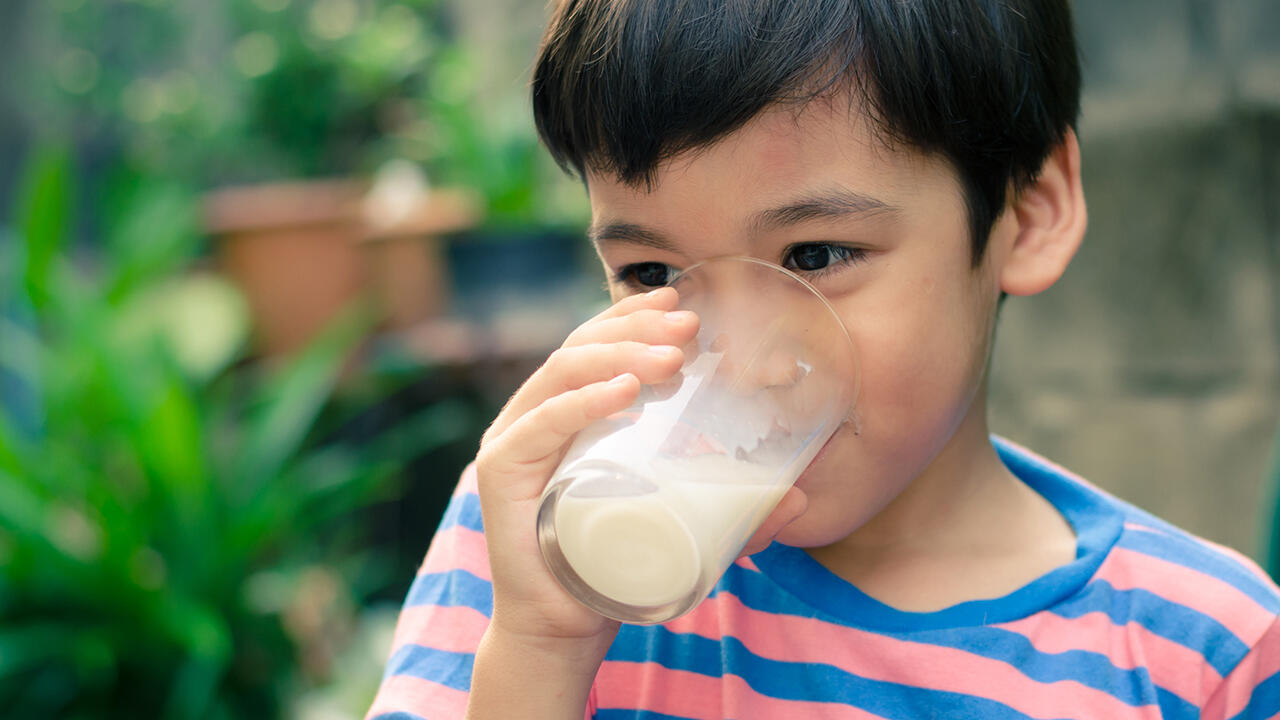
x=645 y=274
x=812 y=257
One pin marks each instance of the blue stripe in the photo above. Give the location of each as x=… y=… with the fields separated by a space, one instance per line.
x=1173 y=707
x=1265 y=701
x=450 y=669
x=760 y=593
x=635 y=715
x=398 y=715
x=1093 y=669
x=814 y=682
x=1191 y=553
x=455 y=588
x=1132 y=687
x=1187 y=627
x=463 y=510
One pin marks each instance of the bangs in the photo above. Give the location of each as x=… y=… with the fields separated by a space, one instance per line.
x=992 y=85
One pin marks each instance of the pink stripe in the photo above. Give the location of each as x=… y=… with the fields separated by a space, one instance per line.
x=421 y=697
x=1128 y=570
x=1130 y=525
x=1247 y=563
x=458 y=548
x=651 y=687
x=748 y=563
x=455 y=629
x=1262 y=662
x=1176 y=668
x=467 y=482
x=878 y=657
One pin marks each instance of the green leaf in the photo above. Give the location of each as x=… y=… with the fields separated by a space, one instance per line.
x=30 y=645
x=171 y=433
x=44 y=218
x=204 y=635
x=295 y=398
x=20 y=352
x=155 y=235
x=21 y=509
x=438 y=425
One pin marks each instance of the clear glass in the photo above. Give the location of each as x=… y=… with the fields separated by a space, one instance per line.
x=651 y=505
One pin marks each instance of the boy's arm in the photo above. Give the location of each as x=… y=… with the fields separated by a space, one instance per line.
x=526 y=648
x=445 y=655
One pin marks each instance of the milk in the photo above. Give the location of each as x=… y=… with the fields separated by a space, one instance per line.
x=650 y=505
x=678 y=525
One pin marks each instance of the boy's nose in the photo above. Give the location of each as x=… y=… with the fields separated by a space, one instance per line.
x=750 y=365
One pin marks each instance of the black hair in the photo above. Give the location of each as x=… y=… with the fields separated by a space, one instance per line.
x=992 y=85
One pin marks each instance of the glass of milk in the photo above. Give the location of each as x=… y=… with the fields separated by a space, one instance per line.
x=651 y=505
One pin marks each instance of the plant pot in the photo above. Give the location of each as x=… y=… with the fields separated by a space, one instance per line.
x=302 y=251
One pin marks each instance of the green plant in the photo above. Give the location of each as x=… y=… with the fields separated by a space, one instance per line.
x=173 y=524
x=252 y=90
x=233 y=91
x=329 y=84
x=493 y=148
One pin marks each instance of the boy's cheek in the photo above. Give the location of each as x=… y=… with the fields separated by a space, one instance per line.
x=851 y=489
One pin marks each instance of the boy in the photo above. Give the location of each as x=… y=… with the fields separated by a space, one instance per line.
x=916 y=161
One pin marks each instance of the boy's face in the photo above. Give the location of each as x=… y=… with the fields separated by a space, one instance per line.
x=882 y=233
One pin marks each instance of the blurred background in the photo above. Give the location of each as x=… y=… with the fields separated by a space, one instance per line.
x=268 y=267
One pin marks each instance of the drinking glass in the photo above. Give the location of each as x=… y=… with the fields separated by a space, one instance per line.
x=652 y=504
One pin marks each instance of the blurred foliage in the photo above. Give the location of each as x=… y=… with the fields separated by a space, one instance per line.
x=250 y=90
x=173 y=523
x=185 y=533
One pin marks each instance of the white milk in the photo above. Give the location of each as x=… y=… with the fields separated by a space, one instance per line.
x=654 y=548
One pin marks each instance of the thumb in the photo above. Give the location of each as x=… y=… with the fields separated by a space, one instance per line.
x=792 y=505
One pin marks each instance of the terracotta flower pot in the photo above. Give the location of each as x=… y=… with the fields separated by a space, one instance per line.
x=301 y=251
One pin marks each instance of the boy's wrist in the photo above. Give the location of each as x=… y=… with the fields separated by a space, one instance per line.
x=517 y=674
x=581 y=653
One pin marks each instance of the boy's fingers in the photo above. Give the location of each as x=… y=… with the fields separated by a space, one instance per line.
x=522 y=457
x=656 y=327
x=792 y=505
x=663 y=298
x=570 y=368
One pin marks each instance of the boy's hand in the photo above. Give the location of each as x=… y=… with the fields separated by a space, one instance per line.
x=598 y=371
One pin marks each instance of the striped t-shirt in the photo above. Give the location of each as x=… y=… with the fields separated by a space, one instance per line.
x=1147 y=622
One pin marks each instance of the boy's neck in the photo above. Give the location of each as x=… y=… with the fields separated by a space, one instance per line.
x=965 y=529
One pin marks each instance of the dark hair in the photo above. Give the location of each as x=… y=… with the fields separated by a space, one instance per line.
x=992 y=85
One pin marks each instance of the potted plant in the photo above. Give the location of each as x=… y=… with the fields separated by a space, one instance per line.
x=328 y=85
x=288 y=106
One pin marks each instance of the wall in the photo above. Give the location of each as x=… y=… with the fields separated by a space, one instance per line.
x=1152 y=367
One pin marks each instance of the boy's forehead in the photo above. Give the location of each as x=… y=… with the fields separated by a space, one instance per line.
x=780 y=153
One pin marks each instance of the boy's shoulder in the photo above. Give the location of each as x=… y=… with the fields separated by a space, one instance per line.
x=1218 y=582
x=1155 y=566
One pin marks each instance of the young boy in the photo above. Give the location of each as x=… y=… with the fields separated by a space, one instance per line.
x=916 y=161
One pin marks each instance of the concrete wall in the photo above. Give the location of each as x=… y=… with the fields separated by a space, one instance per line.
x=1152 y=367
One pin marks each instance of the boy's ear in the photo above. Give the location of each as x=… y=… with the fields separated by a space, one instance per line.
x=1050 y=219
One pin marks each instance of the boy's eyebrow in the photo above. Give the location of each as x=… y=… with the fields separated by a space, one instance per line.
x=629 y=233
x=826 y=205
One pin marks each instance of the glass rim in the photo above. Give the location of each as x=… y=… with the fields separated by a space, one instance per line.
x=844 y=331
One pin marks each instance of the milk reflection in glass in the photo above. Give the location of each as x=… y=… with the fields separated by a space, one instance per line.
x=651 y=505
